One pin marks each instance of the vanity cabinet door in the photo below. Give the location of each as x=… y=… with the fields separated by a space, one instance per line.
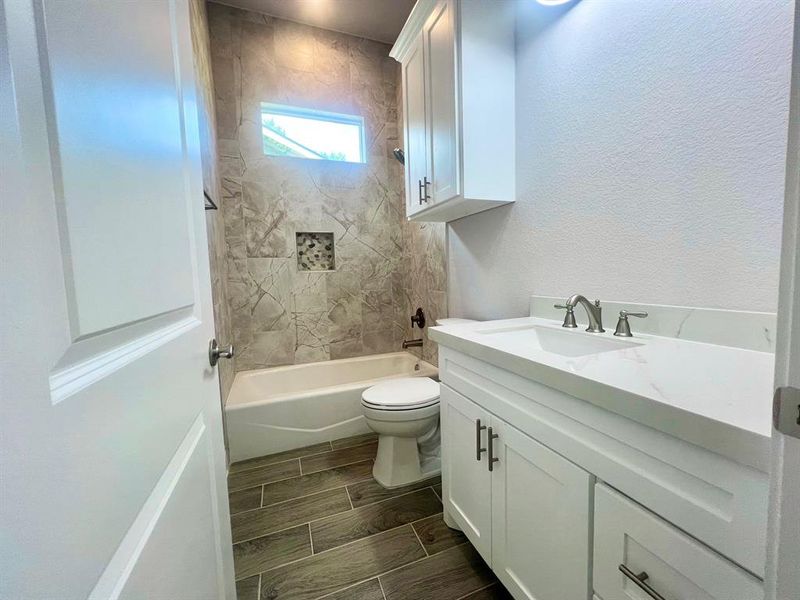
x=415 y=129
x=466 y=480
x=439 y=35
x=541 y=507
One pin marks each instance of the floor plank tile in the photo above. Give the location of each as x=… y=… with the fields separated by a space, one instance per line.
x=255 y=523
x=356 y=440
x=331 y=571
x=436 y=536
x=448 y=575
x=245 y=499
x=317 y=482
x=266 y=474
x=369 y=590
x=371 y=491
x=371 y=519
x=271 y=459
x=493 y=592
x=247 y=589
x=337 y=458
x=254 y=556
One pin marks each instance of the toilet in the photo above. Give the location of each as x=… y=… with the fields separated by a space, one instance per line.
x=404 y=412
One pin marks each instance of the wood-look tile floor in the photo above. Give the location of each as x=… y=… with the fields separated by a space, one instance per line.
x=313 y=523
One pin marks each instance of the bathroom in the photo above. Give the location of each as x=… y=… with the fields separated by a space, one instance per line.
x=486 y=299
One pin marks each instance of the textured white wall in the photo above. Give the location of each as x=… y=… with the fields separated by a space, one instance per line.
x=651 y=149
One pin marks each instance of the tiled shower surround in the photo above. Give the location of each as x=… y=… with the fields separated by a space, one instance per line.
x=384 y=268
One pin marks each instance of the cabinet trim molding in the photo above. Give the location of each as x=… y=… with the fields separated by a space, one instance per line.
x=411 y=29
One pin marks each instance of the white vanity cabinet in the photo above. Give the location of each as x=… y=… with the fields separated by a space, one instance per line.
x=529 y=516
x=576 y=491
x=457 y=60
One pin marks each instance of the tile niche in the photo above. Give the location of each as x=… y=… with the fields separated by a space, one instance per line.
x=315 y=251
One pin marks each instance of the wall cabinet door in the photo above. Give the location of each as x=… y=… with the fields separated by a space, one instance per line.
x=541 y=506
x=466 y=481
x=415 y=129
x=440 y=82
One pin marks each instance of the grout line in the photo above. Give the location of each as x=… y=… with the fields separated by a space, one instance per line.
x=310 y=538
x=349 y=499
x=348 y=587
x=486 y=587
x=259 y=587
x=287 y=460
x=336 y=466
x=300 y=464
x=433 y=487
x=307 y=495
x=424 y=549
x=250 y=487
x=383 y=593
x=261 y=501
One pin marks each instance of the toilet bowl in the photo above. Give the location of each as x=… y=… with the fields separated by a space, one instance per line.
x=404 y=412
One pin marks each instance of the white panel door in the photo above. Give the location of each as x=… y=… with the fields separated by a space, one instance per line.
x=439 y=33
x=113 y=467
x=541 y=507
x=466 y=480
x=415 y=130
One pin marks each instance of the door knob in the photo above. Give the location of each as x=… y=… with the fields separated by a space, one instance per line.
x=215 y=352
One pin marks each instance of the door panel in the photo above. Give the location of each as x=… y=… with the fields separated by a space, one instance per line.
x=467 y=481
x=541 y=506
x=440 y=83
x=106 y=298
x=415 y=124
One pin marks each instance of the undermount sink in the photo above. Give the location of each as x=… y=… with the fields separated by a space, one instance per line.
x=564 y=342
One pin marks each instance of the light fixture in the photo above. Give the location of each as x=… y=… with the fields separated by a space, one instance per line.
x=553 y=2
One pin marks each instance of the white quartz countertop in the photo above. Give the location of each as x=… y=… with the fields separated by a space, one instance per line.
x=717 y=397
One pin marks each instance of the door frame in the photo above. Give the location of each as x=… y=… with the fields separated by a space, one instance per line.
x=783 y=541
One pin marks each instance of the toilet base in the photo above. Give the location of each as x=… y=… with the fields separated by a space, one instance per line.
x=397 y=462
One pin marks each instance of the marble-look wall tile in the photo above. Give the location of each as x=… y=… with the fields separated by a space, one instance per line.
x=279 y=314
x=217 y=225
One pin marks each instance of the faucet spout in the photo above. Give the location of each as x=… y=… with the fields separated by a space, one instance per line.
x=593 y=311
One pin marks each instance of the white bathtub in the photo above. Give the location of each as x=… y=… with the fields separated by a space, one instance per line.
x=271 y=410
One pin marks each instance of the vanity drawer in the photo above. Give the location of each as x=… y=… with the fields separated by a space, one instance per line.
x=627 y=536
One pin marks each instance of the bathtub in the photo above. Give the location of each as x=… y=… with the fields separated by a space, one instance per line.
x=282 y=408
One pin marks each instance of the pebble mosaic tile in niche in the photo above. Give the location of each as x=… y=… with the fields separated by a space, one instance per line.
x=315 y=251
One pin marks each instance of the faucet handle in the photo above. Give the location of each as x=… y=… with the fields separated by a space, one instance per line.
x=569 y=318
x=623 y=327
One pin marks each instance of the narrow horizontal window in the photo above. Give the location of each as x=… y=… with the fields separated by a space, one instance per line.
x=314 y=134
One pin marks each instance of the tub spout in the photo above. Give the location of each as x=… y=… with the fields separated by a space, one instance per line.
x=411 y=343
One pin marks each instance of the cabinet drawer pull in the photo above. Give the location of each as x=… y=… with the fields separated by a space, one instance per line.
x=492 y=459
x=478 y=449
x=640 y=579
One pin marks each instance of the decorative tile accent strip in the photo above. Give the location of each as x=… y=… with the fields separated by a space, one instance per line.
x=315 y=251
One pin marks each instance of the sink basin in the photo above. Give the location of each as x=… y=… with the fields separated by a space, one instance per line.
x=563 y=342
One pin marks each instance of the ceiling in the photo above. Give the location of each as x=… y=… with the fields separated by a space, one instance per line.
x=379 y=20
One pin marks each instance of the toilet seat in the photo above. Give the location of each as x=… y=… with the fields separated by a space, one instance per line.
x=402 y=394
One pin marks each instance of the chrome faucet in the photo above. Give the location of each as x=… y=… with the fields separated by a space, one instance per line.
x=593 y=311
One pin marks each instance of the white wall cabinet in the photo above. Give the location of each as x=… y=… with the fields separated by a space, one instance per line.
x=529 y=517
x=457 y=61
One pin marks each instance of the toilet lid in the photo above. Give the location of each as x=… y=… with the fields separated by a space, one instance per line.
x=402 y=394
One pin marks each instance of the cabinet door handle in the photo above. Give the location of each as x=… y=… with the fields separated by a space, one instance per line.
x=419 y=194
x=492 y=459
x=478 y=449
x=425 y=184
x=640 y=580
